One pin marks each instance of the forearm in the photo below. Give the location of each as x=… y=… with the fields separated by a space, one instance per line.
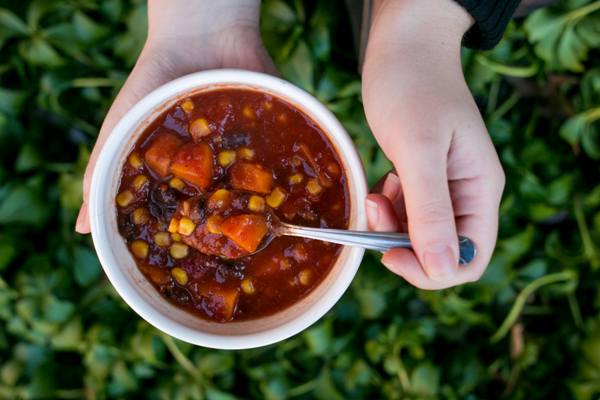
x=181 y=20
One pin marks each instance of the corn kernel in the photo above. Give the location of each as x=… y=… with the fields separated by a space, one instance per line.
x=256 y=203
x=140 y=216
x=276 y=197
x=125 y=198
x=139 y=181
x=186 y=226
x=213 y=224
x=282 y=118
x=247 y=286
x=162 y=239
x=246 y=153
x=226 y=157
x=187 y=106
x=305 y=276
x=139 y=248
x=176 y=237
x=173 y=225
x=178 y=250
x=135 y=161
x=313 y=187
x=267 y=105
x=295 y=179
x=199 y=128
x=177 y=183
x=180 y=275
x=219 y=199
x=248 y=112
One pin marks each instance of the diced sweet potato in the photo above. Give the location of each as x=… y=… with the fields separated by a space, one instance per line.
x=161 y=151
x=193 y=162
x=245 y=230
x=220 y=301
x=251 y=176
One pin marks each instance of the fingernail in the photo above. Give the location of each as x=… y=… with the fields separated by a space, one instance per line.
x=439 y=262
x=391 y=186
x=372 y=212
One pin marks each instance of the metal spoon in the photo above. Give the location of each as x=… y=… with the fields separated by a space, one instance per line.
x=380 y=241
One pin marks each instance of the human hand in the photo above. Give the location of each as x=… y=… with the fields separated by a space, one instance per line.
x=184 y=37
x=449 y=180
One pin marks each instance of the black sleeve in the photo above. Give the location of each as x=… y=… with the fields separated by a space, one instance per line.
x=491 y=18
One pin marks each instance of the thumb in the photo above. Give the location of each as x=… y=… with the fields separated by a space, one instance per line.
x=423 y=173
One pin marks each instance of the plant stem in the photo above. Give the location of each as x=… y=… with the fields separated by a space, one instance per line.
x=579 y=13
x=179 y=356
x=589 y=249
x=517 y=307
x=505 y=107
x=575 y=310
x=493 y=97
x=509 y=70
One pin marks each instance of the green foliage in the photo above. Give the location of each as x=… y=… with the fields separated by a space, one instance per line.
x=528 y=329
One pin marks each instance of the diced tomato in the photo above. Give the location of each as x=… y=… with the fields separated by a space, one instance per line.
x=253 y=177
x=161 y=151
x=246 y=230
x=220 y=301
x=193 y=162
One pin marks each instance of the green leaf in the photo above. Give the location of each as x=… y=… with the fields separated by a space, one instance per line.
x=11 y=24
x=11 y=101
x=86 y=267
x=425 y=380
x=517 y=245
x=583 y=129
x=325 y=388
x=372 y=303
x=215 y=394
x=277 y=16
x=319 y=338
x=28 y=159
x=571 y=50
x=56 y=310
x=22 y=204
x=87 y=30
x=8 y=251
x=39 y=52
x=69 y=338
x=299 y=69
x=128 y=47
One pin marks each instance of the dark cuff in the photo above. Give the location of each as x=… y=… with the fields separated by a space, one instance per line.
x=491 y=18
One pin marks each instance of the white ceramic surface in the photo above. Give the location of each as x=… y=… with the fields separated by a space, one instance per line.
x=133 y=287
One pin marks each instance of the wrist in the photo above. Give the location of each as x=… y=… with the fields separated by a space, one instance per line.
x=184 y=23
x=201 y=34
x=439 y=23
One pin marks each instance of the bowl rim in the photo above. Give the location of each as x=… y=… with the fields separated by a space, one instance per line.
x=105 y=170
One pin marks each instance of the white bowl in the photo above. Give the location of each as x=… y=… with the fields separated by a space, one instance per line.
x=133 y=286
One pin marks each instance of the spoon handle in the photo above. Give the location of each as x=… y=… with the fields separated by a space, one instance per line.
x=381 y=241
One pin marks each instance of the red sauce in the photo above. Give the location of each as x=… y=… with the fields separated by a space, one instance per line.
x=198 y=191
